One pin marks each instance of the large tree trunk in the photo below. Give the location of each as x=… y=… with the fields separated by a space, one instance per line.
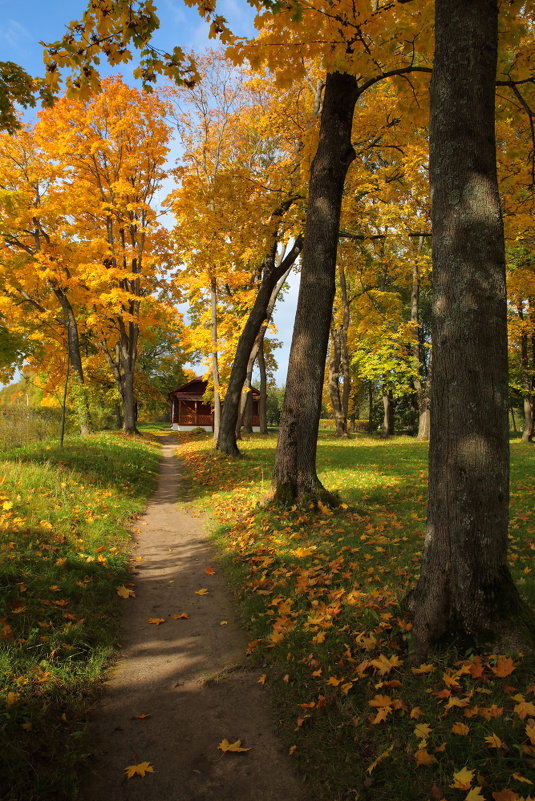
x=465 y=591
x=294 y=473
x=273 y=277
x=387 y=429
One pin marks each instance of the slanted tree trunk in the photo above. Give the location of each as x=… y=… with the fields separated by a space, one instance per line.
x=273 y=277
x=75 y=359
x=294 y=473
x=465 y=591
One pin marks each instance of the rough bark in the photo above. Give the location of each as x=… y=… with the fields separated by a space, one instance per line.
x=273 y=277
x=465 y=592
x=294 y=473
x=387 y=429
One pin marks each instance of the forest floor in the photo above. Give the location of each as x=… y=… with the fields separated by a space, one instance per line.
x=182 y=690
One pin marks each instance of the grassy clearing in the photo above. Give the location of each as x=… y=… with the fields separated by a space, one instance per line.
x=322 y=596
x=64 y=541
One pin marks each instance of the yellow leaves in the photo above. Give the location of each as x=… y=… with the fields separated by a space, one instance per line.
x=462 y=779
x=180 y=616
x=530 y=730
x=423 y=669
x=385 y=664
x=422 y=731
x=262 y=679
x=156 y=621
x=124 y=592
x=493 y=741
x=234 y=748
x=524 y=708
x=520 y=778
x=475 y=794
x=423 y=757
x=379 y=759
x=139 y=770
x=461 y=729
x=202 y=591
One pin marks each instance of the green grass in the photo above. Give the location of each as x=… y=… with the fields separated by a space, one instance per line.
x=323 y=597
x=64 y=543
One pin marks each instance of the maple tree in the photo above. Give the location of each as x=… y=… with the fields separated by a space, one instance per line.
x=114 y=149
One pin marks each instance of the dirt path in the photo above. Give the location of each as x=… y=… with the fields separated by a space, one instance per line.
x=190 y=676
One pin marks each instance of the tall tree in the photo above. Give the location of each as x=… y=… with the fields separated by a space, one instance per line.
x=465 y=588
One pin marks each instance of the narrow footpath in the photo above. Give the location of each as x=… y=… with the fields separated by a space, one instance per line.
x=189 y=677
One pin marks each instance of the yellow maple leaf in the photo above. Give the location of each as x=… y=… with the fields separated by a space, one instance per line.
x=385 y=664
x=235 y=747
x=124 y=592
x=7 y=505
x=422 y=731
x=460 y=728
x=156 y=621
x=416 y=713
x=462 y=779
x=202 y=591
x=524 y=708
x=475 y=795
x=493 y=741
x=423 y=757
x=138 y=770
x=333 y=681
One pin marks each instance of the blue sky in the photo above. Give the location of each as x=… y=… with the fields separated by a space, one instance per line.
x=25 y=23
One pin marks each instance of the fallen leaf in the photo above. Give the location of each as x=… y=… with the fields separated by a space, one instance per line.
x=379 y=759
x=504 y=666
x=520 y=778
x=423 y=757
x=202 y=591
x=262 y=678
x=530 y=730
x=138 y=770
x=462 y=779
x=181 y=616
x=475 y=795
x=210 y=571
x=505 y=795
x=422 y=731
x=493 y=741
x=460 y=728
x=235 y=747
x=156 y=621
x=524 y=708
x=292 y=749
x=124 y=592
x=423 y=669
x=223 y=622
x=140 y=717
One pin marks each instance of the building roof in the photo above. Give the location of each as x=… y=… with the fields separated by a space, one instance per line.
x=195 y=389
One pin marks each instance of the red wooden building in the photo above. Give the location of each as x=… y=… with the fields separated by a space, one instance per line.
x=189 y=410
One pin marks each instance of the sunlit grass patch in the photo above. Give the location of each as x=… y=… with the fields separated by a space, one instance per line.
x=64 y=542
x=325 y=598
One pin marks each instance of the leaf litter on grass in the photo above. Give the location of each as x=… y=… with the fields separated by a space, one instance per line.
x=324 y=594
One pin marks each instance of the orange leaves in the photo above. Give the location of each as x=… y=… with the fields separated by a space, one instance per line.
x=524 y=708
x=180 y=616
x=156 y=621
x=139 y=770
x=460 y=728
x=385 y=706
x=504 y=666
x=423 y=757
x=234 y=748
